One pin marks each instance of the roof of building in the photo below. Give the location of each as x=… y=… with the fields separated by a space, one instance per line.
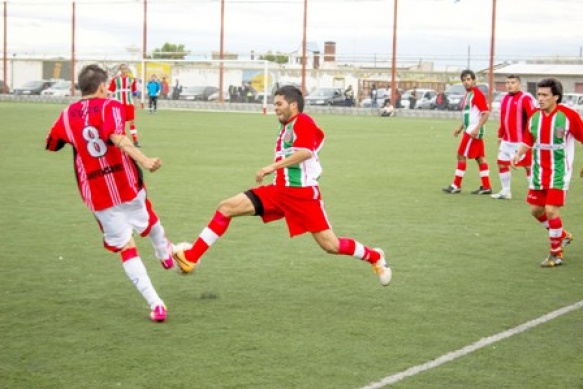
x=542 y=69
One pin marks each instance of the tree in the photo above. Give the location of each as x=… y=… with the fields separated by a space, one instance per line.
x=278 y=57
x=170 y=51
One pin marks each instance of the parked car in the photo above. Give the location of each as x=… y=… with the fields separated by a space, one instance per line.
x=497 y=100
x=574 y=101
x=201 y=93
x=455 y=94
x=60 y=88
x=325 y=96
x=215 y=96
x=425 y=98
x=33 y=87
x=2 y=87
x=382 y=95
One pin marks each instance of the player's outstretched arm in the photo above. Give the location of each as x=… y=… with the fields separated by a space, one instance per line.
x=127 y=146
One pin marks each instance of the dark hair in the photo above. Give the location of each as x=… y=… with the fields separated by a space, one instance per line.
x=467 y=72
x=513 y=76
x=89 y=79
x=554 y=84
x=291 y=94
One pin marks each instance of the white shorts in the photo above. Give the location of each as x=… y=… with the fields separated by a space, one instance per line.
x=508 y=150
x=118 y=223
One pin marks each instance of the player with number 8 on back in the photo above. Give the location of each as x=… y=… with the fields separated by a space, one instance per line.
x=110 y=180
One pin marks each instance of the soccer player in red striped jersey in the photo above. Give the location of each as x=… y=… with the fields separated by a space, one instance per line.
x=110 y=181
x=515 y=109
x=475 y=113
x=551 y=134
x=124 y=88
x=293 y=196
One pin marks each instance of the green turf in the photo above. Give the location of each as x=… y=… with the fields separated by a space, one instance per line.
x=266 y=311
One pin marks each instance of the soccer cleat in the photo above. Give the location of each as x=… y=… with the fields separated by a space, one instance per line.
x=159 y=313
x=502 y=196
x=137 y=144
x=553 y=260
x=567 y=239
x=452 y=189
x=482 y=191
x=168 y=263
x=382 y=269
x=178 y=255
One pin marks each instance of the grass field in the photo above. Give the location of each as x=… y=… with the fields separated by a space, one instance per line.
x=266 y=311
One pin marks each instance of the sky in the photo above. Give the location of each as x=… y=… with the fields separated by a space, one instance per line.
x=455 y=32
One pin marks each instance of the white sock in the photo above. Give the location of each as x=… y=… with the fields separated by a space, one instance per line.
x=157 y=236
x=136 y=272
x=505 y=181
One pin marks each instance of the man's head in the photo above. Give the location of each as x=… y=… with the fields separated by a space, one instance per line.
x=549 y=93
x=468 y=78
x=91 y=79
x=123 y=69
x=288 y=102
x=513 y=83
x=153 y=77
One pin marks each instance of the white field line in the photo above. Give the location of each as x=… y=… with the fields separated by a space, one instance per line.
x=471 y=348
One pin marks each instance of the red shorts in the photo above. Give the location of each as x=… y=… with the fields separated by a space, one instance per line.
x=470 y=147
x=302 y=208
x=130 y=112
x=544 y=197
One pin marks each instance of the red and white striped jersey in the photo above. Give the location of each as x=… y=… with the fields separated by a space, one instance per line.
x=552 y=139
x=473 y=105
x=123 y=88
x=299 y=133
x=514 y=112
x=105 y=175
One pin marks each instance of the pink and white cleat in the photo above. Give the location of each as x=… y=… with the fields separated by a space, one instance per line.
x=159 y=313
x=168 y=263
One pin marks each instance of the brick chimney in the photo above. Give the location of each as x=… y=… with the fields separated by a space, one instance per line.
x=329 y=51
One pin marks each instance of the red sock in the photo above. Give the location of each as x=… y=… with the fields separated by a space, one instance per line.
x=556 y=234
x=543 y=220
x=128 y=254
x=459 y=173
x=215 y=229
x=351 y=247
x=485 y=175
x=134 y=132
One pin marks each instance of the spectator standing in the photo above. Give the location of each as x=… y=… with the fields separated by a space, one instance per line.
x=294 y=194
x=551 y=133
x=124 y=88
x=373 y=96
x=398 y=99
x=349 y=96
x=110 y=181
x=413 y=98
x=441 y=100
x=154 y=90
x=165 y=88
x=515 y=109
x=474 y=115
x=177 y=90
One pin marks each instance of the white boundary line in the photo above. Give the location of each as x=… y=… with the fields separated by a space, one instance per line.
x=471 y=348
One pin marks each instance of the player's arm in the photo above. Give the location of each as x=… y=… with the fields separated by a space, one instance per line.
x=522 y=149
x=127 y=146
x=54 y=141
x=297 y=157
x=54 y=144
x=458 y=130
x=483 y=119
